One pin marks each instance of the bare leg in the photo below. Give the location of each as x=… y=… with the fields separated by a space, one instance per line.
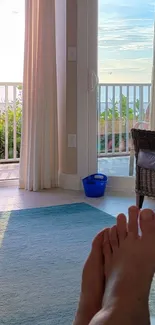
x=131 y=269
x=93 y=283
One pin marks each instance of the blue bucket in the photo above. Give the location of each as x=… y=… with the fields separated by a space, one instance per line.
x=95 y=185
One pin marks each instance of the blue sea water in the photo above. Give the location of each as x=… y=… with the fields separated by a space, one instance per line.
x=144 y=92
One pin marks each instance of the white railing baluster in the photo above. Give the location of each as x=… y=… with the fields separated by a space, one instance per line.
x=113 y=121
x=120 y=122
x=14 y=124
x=106 y=121
x=110 y=127
x=8 y=103
x=141 y=103
x=138 y=114
x=134 y=106
x=6 y=122
x=127 y=121
x=149 y=94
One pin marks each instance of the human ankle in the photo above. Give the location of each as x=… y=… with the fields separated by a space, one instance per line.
x=87 y=304
x=116 y=314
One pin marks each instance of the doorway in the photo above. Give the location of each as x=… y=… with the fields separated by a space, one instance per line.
x=12 y=25
x=114 y=97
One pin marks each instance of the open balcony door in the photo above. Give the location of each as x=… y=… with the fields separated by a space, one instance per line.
x=87 y=118
x=87 y=87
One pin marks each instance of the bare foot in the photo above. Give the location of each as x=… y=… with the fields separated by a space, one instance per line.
x=131 y=269
x=93 y=283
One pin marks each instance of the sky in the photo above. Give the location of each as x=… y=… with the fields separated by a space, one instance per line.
x=12 y=21
x=125 y=41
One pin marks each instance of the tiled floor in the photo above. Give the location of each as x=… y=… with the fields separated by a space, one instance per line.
x=11 y=198
x=9 y=171
x=111 y=166
x=114 y=166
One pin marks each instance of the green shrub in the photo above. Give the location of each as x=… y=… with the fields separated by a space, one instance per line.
x=101 y=145
x=18 y=118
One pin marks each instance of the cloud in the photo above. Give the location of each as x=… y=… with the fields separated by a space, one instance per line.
x=125 y=39
x=12 y=39
x=123 y=8
x=126 y=70
x=126 y=35
x=140 y=64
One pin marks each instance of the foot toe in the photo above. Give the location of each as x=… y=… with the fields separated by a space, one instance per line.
x=133 y=220
x=147 y=221
x=99 y=238
x=107 y=252
x=106 y=243
x=121 y=227
x=113 y=237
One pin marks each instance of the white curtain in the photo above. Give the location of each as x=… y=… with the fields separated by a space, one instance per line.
x=152 y=112
x=39 y=149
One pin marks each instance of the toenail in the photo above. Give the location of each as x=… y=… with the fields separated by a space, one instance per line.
x=133 y=208
x=147 y=215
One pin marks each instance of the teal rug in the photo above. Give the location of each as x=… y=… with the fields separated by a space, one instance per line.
x=42 y=252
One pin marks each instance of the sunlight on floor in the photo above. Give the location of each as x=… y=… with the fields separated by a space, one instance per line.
x=114 y=166
x=4 y=220
x=9 y=171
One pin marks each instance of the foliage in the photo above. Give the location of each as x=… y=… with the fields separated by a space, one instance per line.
x=120 y=113
x=117 y=113
x=116 y=142
x=12 y=117
x=17 y=116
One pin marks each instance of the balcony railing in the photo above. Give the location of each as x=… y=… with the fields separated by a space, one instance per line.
x=120 y=107
x=10 y=121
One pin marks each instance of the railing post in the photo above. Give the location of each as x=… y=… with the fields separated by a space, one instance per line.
x=6 y=122
x=14 y=123
x=102 y=87
x=113 y=121
x=8 y=102
x=140 y=103
x=134 y=106
x=149 y=94
x=120 y=121
x=127 y=121
x=106 y=121
x=132 y=93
